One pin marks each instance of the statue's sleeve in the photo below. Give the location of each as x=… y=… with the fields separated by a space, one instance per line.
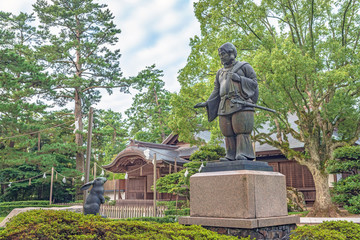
x=214 y=100
x=249 y=85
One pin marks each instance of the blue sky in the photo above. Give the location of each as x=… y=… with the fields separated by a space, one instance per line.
x=153 y=32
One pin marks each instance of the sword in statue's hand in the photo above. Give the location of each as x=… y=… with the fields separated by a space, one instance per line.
x=247 y=104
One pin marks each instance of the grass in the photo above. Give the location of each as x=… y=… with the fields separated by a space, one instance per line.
x=1 y=218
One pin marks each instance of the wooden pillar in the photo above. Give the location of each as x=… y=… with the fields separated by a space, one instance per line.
x=154 y=163
x=126 y=187
x=51 y=185
x=114 y=187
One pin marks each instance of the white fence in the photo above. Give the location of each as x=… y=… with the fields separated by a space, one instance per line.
x=131 y=211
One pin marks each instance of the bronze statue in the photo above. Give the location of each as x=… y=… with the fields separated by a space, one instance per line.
x=96 y=196
x=233 y=99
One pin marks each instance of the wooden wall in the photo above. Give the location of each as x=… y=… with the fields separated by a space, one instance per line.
x=296 y=175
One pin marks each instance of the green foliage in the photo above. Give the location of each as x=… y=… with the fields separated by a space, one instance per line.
x=178 y=183
x=329 y=230
x=346 y=160
x=173 y=204
x=346 y=191
x=149 y=112
x=63 y=224
x=76 y=48
x=208 y=153
x=177 y=212
x=25 y=203
x=347 y=153
x=109 y=137
x=166 y=219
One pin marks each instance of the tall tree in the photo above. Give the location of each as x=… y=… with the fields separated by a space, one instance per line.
x=79 y=35
x=149 y=112
x=306 y=57
x=21 y=79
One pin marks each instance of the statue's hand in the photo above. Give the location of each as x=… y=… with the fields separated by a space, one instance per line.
x=235 y=77
x=199 y=105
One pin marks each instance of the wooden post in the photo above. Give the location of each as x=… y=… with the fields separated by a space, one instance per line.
x=154 y=163
x=88 y=151
x=94 y=170
x=175 y=170
x=126 y=188
x=51 y=184
x=114 y=187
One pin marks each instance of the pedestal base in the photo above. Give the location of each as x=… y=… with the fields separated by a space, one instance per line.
x=240 y=223
x=237 y=165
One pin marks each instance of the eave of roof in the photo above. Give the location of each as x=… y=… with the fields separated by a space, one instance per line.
x=152 y=145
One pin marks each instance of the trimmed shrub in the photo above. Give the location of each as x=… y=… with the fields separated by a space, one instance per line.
x=177 y=212
x=172 y=204
x=346 y=190
x=47 y=224
x=328 y=230
x=39 y=202
x=166 y=219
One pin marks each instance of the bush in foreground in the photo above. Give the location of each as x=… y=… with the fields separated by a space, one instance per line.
x=331 y=230
x=48 y=224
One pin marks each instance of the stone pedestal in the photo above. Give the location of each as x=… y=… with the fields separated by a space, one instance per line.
x=241 y=199
x=238 y=194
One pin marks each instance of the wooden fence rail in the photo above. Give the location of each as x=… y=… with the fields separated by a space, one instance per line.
x=131 y=211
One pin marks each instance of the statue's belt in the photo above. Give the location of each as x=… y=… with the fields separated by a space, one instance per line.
x=230 y=97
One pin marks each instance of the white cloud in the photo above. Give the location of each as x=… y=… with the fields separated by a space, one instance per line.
x=16 y=6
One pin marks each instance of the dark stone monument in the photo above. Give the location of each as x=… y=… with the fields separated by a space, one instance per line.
x=233 y=99
x=95 y=197
x=238 y=196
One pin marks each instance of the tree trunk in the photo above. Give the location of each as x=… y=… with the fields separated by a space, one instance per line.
x=78 y=133
x=323 y=206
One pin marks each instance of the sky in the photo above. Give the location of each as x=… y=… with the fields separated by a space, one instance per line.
x=153 y=32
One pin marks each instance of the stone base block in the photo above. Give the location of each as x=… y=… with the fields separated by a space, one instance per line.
x=240 y=223
x=241 y=194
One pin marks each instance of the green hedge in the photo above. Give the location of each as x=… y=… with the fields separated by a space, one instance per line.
x=39 y=202
x=178 y=212
x=172 y=204
x=329 y=230
x=166 y=219
x=48 y=224
x=5 y=210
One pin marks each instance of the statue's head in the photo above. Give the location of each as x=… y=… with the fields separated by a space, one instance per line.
x=227 y=53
